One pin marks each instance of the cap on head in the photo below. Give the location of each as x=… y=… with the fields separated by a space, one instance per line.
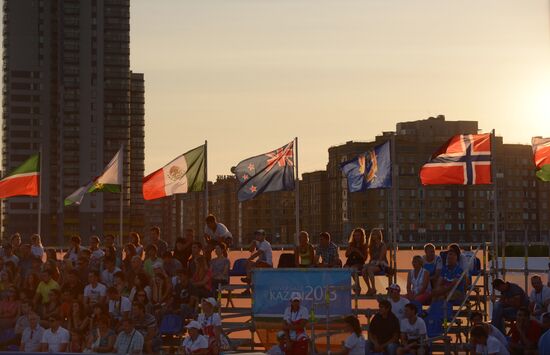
x=193 y=325
x=211 y=300
x=295 y=296
x=394 y=287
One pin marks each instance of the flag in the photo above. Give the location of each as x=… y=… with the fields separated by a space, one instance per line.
x=110 y=181
x=370 y=170
x=541 y=154
x=181 y=175
x=464 y=160
x=23 y=181
x=273 y=171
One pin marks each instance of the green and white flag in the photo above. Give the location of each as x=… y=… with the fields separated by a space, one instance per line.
x=110 y=181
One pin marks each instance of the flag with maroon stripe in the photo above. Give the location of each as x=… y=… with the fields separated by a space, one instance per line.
x=464 y=160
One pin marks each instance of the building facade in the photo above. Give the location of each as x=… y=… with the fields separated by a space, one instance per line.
x=69 y=93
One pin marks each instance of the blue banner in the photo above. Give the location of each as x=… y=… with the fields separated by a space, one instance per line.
x=274 y=287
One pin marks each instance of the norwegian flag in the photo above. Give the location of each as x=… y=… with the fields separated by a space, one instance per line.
x=464 y=160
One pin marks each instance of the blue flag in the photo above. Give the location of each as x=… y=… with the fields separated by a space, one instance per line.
x=273 y=171
x=370 y=170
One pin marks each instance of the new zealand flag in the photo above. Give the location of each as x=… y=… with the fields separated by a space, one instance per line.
x=273 y=171
x=370 y=170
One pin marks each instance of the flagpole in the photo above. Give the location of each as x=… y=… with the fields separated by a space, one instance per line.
x=39 y=230
x=394 y=175
x=297 y=191
x=240 y=224
x=495 y=200
x=121 y=197
x=205 y=178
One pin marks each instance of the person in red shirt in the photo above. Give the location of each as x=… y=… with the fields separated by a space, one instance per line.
x=525 y=333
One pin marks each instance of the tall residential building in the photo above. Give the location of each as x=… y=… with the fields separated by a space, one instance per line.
x=68 y=90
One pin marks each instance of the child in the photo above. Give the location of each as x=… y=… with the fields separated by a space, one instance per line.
x=37 y=249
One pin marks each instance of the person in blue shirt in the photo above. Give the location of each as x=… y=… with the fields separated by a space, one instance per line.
x=449 y=277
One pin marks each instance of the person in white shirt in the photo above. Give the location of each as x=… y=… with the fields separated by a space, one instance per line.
x=413 y=331
x=31 y=338
x=109 y=271
x=476 y=318
x=37 y=249
x=539 y=298
x=194 y=343
x=94 y=292
x=214 y=233
x=485 y=344
x=211 y=325
x=129 y=341
x=397 y=302
x=260 y=249
x=55 y=339
x=119 y=307
x=355 y=343
x=295 y=319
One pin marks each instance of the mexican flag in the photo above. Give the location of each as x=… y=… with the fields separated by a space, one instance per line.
x=110 y=181
x=181 y=175
x=23 y=181
x=541 y=153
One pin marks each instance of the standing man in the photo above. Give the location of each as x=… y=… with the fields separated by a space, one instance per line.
x=162 y=246
x=214 y=233
x=260 y=249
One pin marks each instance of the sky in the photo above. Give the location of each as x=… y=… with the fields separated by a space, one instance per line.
x=250 y=75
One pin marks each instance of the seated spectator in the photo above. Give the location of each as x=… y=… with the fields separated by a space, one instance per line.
x=155 y=240
x=97 y=254
x=109 y=271
x=146 y=324
x=23 y=320
x=74 y=250
x=129 y=253
x=326 y=253
x=52 y=264
x=355 y=343
x=201 y=282
x=37 y=249
x=47 y=284
x=413 y=332
x=129 y=341
x=211 y=326
x=111 y=249
x=82 y=267
x=378 y=261
x=119 y=306
x=525 y=333
x=196 y=251
x=539 y=298
x=9 y=255
x=398 y=303
x=121 y=285
x=182 y=247
x=9 y=307
x=295 y=320
x=98 y=311
x=418 y=282
x=151 y=259
x=384 y=330
x=136 y=241
x=219 y=267
x=432 y=263
x=31 y=337
x=78 y=321
x=282 y=347
x=214 y=233
x=512 y=298
x=261 y=250
x=304 y=253
x=51 y=308
x=449 y=277
x=94 y=292
x=161 y=287
x=486 y=344
x=356 y=255
x=476 y=318
x=194 y=343
x=180 y=295
x=170 y=264
x=25 y=261
x=102 y=338
x=56 y=338
x=141 y=283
